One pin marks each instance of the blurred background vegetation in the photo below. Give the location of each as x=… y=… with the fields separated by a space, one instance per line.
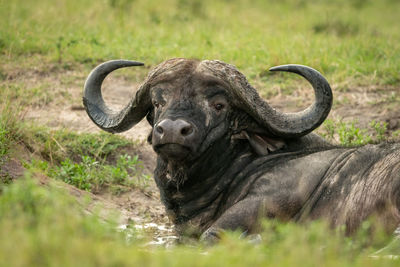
x=355 y=40
x=354 y=43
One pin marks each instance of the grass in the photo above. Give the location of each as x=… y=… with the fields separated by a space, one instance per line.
x=92 y=162
x=352 y=42
x=94 y=176
x=348 y=134
x=10 y=129
x=56 y=145
x=46 y=227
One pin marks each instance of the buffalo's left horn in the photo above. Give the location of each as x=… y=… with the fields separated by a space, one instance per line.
x=300 y=123
x=100 y=114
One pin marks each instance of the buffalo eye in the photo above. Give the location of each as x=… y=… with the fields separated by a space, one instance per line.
x=156 y=104
x=219 y=106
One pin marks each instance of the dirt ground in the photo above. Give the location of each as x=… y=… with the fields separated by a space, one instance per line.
x=65 y=110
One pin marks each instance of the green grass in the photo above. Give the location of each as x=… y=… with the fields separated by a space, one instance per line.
x=348 y=134
x=36 y=96
x=56 y=145
x=10 y=129
x=94 y=176
x=92 y=162
x=356 y=42
x=44 y=226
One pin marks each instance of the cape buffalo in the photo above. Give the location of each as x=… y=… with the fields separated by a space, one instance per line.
x=226 y=158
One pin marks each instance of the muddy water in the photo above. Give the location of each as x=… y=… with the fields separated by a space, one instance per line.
x=162 y=234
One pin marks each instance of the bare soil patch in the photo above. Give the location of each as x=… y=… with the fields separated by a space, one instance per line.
x=359 y=104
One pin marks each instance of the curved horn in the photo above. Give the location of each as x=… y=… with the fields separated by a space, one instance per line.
x=303 y=122
x=103 y=116
x=275 y=123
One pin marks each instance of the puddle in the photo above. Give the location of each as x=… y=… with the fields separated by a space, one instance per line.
x=163 y=235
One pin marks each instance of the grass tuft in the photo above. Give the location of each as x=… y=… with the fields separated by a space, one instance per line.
x=10 y=129
x=95 y=176
x=348 y=134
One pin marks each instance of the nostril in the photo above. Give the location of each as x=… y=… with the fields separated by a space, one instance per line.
x=186 y=130
x=172 y=130
x=159 y=130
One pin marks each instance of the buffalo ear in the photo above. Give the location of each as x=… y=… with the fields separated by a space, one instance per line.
x=150 y=137
x=150 y=117
x=262 y=144
x=245 y=127
x=150 y=120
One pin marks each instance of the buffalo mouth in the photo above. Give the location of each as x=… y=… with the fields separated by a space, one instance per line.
x=174 y=151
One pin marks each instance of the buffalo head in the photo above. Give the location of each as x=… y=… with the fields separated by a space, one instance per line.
x=191 y=104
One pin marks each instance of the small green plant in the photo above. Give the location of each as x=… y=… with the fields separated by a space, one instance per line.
x=348 y=134
x=83 y=175
x=92 y=175
x=10 y=128
x=57 y=145
x=5 y=180
x=380 y=129
x=396 y=134
x=4 y=142
x=330 y=129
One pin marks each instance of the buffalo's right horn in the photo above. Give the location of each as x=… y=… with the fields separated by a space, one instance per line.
x=100 y=114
